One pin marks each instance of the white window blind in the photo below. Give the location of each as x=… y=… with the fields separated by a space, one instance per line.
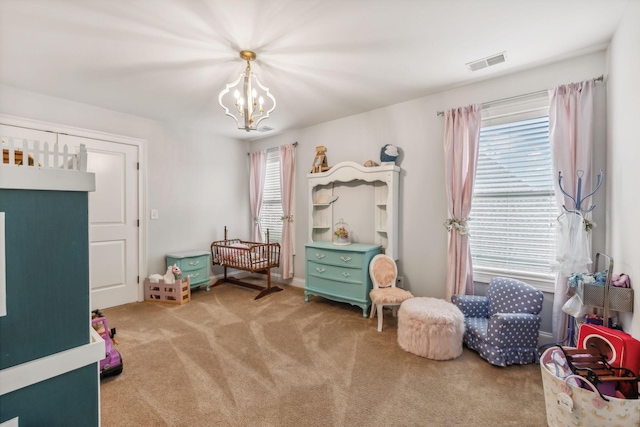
x=271 y=213
x=513 y=209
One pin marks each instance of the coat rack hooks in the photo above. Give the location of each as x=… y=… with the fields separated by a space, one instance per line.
x=578 y=199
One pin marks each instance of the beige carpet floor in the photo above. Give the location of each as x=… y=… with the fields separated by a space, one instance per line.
x=224 y=359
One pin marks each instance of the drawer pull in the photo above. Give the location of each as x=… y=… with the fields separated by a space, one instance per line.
x=345 y=274
x=194 y=262
x=347 y=259
x=193 y=276
x=320 y=270
x=319 y=256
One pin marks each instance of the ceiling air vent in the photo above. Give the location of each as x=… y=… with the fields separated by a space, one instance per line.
x=264 y=129
x=487 y=62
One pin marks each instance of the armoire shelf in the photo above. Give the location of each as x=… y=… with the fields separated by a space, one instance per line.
x=385 y=180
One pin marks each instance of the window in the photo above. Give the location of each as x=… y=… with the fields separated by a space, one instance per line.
x=271 y=212
x=514 y=209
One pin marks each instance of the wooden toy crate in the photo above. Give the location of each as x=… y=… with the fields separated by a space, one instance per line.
x=177 y=293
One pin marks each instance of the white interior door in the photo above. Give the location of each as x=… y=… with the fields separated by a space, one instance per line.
x=113 y=220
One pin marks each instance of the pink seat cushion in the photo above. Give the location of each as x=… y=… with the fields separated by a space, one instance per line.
x=394 y=295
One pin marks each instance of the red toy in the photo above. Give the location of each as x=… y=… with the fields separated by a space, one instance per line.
x=620 y=348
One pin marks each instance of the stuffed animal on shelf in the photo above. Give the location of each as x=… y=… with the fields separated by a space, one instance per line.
x=320 y=161
x=389 y=153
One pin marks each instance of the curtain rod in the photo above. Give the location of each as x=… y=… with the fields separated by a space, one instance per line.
x=513 y=98
x=295 y=144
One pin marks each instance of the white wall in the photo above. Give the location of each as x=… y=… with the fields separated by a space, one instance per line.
x=196 y=180
x=418 y=131
x=199 y=182
x=623 y=154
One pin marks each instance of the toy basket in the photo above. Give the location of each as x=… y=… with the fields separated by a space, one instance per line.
x=570 y=405
x=619 y=299
x=176 y=293
x=604 y=295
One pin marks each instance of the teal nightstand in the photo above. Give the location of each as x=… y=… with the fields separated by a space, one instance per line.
x=194 y=264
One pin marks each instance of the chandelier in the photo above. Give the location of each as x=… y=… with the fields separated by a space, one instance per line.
x=251 y=101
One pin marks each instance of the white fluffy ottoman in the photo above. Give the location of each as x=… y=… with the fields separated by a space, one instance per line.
x=431 y=327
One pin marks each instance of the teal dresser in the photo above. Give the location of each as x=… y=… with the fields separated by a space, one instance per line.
x=340 y=273
x=194 y=264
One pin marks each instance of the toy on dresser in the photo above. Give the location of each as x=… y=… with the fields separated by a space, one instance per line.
x=169 y=277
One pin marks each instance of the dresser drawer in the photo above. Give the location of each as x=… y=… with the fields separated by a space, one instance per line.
x=336 y=257
x=337 y=289
x=196 y=276
x=332 y=272
x=192 y=263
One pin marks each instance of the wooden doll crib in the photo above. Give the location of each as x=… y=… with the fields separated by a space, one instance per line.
x=253 y=257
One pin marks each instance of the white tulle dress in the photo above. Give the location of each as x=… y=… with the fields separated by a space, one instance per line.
x=573 y=253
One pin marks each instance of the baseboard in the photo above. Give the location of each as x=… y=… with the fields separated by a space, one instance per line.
x=298 y=283
x=240 y=274
x=545 y=338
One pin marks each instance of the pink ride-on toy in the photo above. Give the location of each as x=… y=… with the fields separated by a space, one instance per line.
x=112 y=363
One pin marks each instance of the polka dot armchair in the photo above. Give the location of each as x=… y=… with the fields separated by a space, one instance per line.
x=503 y=326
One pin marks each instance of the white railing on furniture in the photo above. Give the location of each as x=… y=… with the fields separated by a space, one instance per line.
x=44 y=157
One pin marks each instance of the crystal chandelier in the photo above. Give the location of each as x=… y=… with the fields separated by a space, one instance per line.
x=251 y=100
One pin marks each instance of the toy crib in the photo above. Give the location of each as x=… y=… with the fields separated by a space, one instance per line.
x=253 y=257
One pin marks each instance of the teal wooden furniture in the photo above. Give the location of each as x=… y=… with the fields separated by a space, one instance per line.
x=49 y=353
x=194 y=264
x=385 y=180
x=340 y=273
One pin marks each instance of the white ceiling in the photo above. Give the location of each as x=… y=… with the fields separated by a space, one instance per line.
x=322 y=59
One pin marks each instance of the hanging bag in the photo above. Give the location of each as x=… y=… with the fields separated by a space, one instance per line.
x=575 y=308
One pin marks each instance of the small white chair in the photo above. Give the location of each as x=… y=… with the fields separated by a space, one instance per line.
x=384 y=271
